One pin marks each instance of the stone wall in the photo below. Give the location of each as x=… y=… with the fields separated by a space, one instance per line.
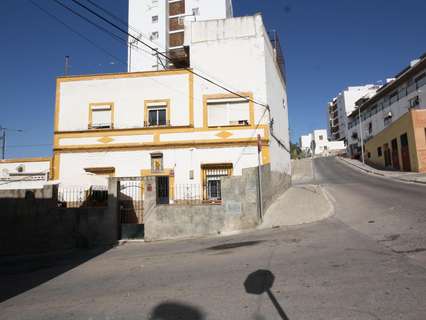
x=32 y=223
x=238 y=211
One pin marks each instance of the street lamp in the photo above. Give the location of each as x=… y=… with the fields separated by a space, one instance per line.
x=3 y=139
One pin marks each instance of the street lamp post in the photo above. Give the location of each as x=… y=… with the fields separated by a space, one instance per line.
x=361 y=135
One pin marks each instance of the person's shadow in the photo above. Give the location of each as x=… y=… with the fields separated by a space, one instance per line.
x=261 y=281
x=175 y=311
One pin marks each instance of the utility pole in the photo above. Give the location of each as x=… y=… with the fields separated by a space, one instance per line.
x=259 y=177
x=3 y=140
x=3 y=143
x=361 y=135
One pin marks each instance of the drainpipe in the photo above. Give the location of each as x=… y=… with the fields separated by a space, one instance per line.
x=361 y=135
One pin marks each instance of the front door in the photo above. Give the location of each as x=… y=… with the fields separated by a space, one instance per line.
x=162 y=189
x=395 y=155
x=405 y=153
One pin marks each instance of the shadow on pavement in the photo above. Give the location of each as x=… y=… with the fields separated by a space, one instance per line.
x=22 y=273
x=176 y=311
x=261 y=281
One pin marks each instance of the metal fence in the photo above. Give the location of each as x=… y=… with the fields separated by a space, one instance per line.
x=76 y=197
x=188 y=194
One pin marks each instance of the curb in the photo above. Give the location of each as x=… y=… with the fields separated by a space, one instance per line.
x=372 y=171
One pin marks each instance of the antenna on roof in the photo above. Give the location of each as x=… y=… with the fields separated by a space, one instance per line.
x=67 y=60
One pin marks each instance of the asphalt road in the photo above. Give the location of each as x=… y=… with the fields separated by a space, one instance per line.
x=345 y=267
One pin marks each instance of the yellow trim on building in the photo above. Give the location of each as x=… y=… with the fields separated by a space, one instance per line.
x=105 y=171
x=163 y=102
x=141 y=74
x=56 y=165
x=18 y=160
x=165 y=172
x=266 y=157
x=165 y=144
x=191 y=99
x=227 y=96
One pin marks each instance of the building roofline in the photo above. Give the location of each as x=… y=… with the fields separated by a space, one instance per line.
x=19 y=160
x=400 y=78
x=124 y=74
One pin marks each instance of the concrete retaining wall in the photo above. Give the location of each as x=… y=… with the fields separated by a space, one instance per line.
x=32 y=223
x=239 y=209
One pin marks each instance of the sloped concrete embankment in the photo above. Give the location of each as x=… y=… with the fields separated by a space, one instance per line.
x=304 y=202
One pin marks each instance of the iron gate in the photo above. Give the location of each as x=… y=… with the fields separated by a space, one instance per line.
x=131 y=208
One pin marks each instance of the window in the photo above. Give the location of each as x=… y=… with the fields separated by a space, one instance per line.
x=196 y=11
x=228 y=112
x=101 y=116
x=379 y=151
x=20 y=168
x=157 y=162
x=414 y=102
x=321 y=138
x=368 y=155
x=157 y=113
x=154 y=19
x=212 y=174
x=370 y=127
x=154 y=35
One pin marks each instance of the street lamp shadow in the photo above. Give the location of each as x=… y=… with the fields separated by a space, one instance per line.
x=261 y=281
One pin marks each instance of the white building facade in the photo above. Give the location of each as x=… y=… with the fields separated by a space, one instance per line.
x=406 y=92
x=28 y=173
x=172 y=123
x=317 y=144
x=342 y=106
x=161 y=24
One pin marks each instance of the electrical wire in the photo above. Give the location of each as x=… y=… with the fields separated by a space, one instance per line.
x=160 y=53
x=76 y=32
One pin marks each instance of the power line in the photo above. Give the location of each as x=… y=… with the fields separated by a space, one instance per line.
x=76 y=32
x=105 y=30
x=160 y=53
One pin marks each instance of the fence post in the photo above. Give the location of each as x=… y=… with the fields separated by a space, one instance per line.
x=113 y=209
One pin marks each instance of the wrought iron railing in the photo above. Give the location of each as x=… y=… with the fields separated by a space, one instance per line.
x=76 y=197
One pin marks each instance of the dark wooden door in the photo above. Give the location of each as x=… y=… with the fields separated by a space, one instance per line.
x=405 y=153
x=162 y=190
x=395 y=155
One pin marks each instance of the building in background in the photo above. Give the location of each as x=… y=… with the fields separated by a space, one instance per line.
x=29 y=173
x=341 y=106
x=161 y=23
x=393 y=122
x=174 y=125
x=317 y=144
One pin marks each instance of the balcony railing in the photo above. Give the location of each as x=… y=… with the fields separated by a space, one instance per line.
x=156 y=125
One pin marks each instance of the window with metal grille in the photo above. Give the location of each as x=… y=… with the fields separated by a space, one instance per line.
x=212 y=175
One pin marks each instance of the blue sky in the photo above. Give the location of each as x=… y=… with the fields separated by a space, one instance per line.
x=328 y=44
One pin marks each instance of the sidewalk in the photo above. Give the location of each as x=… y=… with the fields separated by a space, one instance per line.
x=396 y=175
x=298 y=205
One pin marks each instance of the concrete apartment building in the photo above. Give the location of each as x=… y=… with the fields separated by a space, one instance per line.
x=341 y=106
x=393 y=122
x=317 y=143
x=163 y=25
x=174 y=125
